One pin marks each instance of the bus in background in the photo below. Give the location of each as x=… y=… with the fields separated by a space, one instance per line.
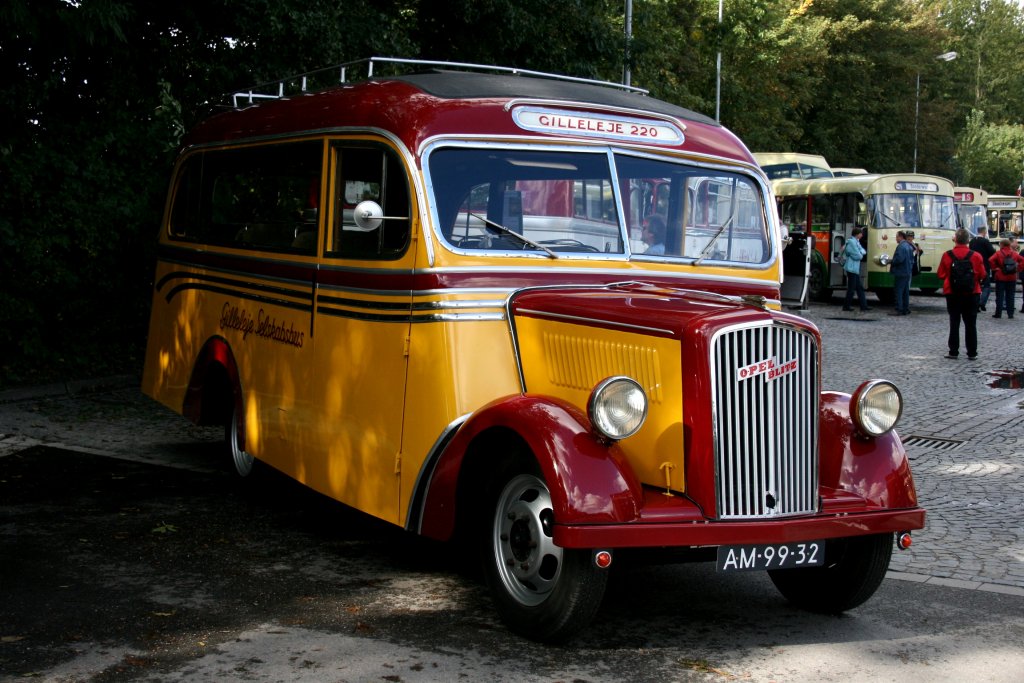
x=1005 y=216
x=971 y=207
x=778 y=165
x=829 y=209
x=843 y=172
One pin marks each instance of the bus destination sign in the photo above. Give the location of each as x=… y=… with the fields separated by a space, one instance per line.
x=563 y=122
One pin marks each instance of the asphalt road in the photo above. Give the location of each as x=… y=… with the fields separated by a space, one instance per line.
x=128 y=553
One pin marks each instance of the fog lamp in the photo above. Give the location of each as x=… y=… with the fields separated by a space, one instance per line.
x=876 y=407
x=617 y=407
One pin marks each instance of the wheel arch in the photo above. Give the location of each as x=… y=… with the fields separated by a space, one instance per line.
x=214 y=387
x=590 y=481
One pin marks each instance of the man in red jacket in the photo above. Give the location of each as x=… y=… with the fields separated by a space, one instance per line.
x=1006 y=265
x=962 y=287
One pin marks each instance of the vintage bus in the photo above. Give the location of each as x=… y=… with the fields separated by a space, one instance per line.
x=971 y=209
x=882 y=204
x=777 y=165
x=1005 y=216
x=839 y=172
x=429 y=297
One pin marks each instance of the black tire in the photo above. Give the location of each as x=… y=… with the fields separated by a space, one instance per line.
x=854 y=568
x=886 y=296
x=928 y=291
x=818 y=287
x=541 y=591
x=243 y=464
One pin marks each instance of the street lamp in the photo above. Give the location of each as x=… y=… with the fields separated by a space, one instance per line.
x=944 y=57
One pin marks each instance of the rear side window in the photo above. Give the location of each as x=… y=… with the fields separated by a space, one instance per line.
x=265 y=197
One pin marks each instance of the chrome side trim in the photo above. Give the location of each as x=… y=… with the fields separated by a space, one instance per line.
x=414 y=515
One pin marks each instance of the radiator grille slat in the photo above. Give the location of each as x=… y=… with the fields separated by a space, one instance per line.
x=765 y=391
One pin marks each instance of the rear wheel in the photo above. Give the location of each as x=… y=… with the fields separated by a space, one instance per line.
x=243 y=462
x=886 y=296
x=542 y=591
x=853 y=571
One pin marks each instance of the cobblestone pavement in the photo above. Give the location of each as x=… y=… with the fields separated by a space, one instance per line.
x=963 y=425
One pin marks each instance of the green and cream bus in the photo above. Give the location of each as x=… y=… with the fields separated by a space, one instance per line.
x=971 y=209
x=1005 y=216
x=830 y=208
x=778 y=165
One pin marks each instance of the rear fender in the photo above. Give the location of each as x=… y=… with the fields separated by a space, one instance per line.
x=214 y=387
x=590 y=480
x=875 y=468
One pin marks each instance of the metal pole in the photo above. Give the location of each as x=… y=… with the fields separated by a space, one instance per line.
x=718 y=67
x=917 y=108
x=626 y=75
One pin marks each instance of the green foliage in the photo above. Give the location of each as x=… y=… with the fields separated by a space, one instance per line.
x=98 y=93
x=991 y=155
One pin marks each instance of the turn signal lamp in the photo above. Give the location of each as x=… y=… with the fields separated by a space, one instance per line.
x=617 y=408
x=903 y=540
x=876 y=407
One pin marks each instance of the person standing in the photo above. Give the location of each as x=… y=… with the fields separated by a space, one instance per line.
x=981 y=244
x=854 y=253
x=1006 y=264
x=961 y=271
x=902 y=269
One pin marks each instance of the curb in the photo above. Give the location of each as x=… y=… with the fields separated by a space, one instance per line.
x=71 y=388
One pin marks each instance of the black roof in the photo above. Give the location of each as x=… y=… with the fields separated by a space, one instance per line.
x=465 y=85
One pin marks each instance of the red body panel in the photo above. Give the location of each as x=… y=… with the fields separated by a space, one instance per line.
x=590 y=482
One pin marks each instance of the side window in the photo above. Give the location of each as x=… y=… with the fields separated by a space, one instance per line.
x=265 y=197
x=794 y=213
x=821 y=212
x=370 y=173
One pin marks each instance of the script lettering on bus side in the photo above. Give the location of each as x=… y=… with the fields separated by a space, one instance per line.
x=235 y=318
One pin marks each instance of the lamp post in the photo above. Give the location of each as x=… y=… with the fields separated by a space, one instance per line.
x=944 y=57
x=718 y=67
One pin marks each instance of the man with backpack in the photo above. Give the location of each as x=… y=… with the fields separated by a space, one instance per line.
x=961 y=271
x=1006 y=264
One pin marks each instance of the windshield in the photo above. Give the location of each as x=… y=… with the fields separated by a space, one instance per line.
x=972 y=217
x=555 y=202
x=911 y=211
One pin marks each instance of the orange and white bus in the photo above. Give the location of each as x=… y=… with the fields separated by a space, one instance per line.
x=534 y=313
x=972 y=209
x=882 y=204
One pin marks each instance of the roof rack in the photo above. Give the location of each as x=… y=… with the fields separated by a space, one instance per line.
x=319 y=79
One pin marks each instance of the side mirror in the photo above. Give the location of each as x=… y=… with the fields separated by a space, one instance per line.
x=368 y=215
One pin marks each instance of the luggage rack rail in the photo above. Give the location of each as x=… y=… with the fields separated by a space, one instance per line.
x=319 y=79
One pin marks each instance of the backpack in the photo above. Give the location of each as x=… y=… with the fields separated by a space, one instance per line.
x=1010 y=264
x=961 y=274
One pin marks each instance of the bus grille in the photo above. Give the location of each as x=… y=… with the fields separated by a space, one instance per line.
x=765 y=392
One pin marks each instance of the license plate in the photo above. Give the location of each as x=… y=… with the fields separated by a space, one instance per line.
x=733 y=558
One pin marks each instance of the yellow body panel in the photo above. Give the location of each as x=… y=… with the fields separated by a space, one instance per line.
x=567 y=360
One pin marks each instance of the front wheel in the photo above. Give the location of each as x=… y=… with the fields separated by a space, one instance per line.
x=542 y=591
x=854 y=568
x=818 y=286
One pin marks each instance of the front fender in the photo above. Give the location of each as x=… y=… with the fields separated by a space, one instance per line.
x=876 y=469
x=590 y=481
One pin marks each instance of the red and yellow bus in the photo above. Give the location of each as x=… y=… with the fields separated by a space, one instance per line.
x=830 y=208
x=432 y=297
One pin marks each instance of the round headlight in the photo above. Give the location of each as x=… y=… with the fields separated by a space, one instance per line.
x=883 y=259
x=876 y=407
x=617 y=407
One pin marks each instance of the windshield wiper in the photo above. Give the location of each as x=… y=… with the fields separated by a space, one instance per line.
x=711 y=243
x=525 y=240
x=893 y=220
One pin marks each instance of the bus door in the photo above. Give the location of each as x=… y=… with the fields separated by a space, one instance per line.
x=362 y=325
